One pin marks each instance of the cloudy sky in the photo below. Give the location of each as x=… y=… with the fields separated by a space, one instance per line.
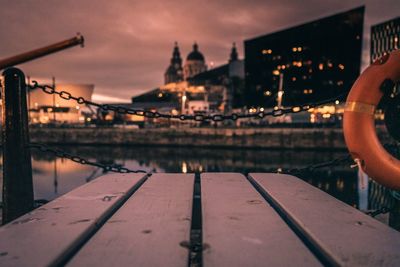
x=129 y=43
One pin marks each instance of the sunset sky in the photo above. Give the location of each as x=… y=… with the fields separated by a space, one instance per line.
x=129 y=43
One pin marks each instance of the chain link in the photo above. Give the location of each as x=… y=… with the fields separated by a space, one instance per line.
x=374 y=213
x=311 y=168
x=62 y=154
x=183 y=117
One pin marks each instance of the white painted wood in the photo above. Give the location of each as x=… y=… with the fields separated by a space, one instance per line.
x=241 y=229
x=148 y=229
x=348 y=235
x=43 y=236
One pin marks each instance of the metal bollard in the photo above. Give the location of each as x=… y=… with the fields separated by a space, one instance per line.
x=17 y=167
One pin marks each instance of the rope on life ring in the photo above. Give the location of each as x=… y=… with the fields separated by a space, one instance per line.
x=359 y=124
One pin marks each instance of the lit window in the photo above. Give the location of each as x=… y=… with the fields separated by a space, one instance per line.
x=294 y=49
x=276 y=72
x=267 y=93
x=299 y=49
x=321 y=66
x=294 y=79
x=341 y=66
x=160 y=95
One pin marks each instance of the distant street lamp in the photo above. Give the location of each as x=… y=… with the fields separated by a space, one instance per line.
x=183 y=104
x=280 y=91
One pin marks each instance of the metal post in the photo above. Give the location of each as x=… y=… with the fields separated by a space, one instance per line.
x=17 y=168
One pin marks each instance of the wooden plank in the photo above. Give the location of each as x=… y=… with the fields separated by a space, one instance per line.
x=148 y=229
x=241 y=229
x=339 y=231
x=47 y=235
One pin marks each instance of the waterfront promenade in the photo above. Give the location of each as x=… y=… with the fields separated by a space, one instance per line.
x=276 y=138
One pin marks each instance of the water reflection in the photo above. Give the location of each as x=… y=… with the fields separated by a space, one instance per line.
x=54 y=177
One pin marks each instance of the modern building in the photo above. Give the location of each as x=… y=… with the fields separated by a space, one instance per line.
x=45 y=108
x=385 y=37
x=310 y=62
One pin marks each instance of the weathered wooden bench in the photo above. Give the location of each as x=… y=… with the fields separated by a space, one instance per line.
x=216 y=219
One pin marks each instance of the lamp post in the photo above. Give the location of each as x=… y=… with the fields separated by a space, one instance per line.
x=183 y=103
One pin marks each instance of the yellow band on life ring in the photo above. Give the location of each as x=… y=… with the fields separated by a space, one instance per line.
x=360 y=107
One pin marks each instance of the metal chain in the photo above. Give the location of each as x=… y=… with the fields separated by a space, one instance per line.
x=200 y=117
x=312 y=168
x=374 y=213
x=62 y=154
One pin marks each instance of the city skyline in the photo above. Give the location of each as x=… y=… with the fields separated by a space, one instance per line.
x=128 y=44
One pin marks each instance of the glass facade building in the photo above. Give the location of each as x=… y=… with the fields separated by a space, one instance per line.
x=385 y=37
x=314 y=61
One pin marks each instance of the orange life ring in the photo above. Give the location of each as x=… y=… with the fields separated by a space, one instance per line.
x=359 y=125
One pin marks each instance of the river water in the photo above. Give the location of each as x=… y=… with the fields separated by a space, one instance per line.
x=54 y=177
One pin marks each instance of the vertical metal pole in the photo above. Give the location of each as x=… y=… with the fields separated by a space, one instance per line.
x=17 y=168
x=54 y=101
x=394 y=216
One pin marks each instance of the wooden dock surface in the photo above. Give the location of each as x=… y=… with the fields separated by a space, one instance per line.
x=214 y=219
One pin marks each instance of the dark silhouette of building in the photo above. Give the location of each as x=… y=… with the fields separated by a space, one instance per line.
x=385 y=37
x=174 y=72
x=220 y=87
x=195 y=63
x=311 y=62
x=228 y=77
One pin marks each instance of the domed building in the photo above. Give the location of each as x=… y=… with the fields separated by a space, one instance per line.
x=194 y=64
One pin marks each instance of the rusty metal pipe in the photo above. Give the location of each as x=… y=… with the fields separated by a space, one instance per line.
x=40 y=52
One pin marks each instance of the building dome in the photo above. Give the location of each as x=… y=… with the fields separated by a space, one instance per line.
x=195 y=54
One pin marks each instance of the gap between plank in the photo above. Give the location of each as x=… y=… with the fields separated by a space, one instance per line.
x=319 y=252
x=196 y=236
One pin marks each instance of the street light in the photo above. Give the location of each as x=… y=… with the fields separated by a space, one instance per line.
x=183 y=103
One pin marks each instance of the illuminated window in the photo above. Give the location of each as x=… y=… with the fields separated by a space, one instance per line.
x=321 y=66
x=294 y=79
x=299 y=49
x=294 y=49
x=266 y=51
x=267 y=93
x=341 y=66
x=276 y=72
